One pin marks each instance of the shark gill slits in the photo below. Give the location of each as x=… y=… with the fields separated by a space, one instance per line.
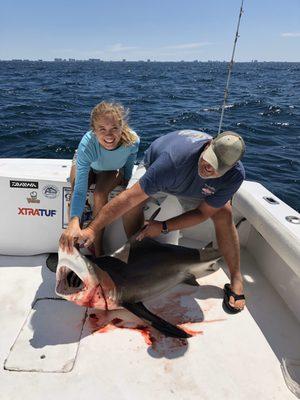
x=73 y=280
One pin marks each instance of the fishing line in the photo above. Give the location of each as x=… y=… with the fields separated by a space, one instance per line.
x=230 y=68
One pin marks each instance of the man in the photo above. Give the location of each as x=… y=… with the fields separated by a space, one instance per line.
x=188 y=164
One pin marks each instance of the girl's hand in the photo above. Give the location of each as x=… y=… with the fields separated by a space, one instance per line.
x=70 y=235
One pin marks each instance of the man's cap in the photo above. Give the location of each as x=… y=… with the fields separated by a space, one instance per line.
x=224 y=151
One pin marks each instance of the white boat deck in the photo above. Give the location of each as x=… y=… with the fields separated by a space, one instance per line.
x=235 y=356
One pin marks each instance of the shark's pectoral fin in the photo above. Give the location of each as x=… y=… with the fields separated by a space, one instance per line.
x=191 y=280
x=158 y=323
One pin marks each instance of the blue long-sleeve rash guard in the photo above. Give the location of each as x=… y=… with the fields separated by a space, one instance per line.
x=92 y=155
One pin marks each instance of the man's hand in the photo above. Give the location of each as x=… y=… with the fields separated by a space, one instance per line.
x=70 y=235
x=87 y=236
x=151 y=229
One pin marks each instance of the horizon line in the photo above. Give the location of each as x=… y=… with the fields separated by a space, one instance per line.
x=98 y=60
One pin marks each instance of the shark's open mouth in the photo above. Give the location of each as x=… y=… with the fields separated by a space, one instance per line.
x=73 y=280
x=68 y=282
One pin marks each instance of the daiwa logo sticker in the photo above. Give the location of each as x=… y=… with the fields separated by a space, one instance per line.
x=50 y=191
x=36 y=212
x=24 y=184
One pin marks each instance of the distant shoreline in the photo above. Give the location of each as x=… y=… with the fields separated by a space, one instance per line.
x=96 y=61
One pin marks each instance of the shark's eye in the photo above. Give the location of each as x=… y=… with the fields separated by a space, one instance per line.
x=73 y=280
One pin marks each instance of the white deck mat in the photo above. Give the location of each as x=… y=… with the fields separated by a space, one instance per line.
x=235 y=357
x=49 y=339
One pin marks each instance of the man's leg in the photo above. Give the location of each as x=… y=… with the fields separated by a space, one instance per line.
x=228 y=242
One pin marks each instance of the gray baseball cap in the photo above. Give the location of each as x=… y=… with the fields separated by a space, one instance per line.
x=224 y=151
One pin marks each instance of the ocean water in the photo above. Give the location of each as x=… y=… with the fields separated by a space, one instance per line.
x=45 y=108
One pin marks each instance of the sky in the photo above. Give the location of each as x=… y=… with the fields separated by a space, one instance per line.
x=162 y=30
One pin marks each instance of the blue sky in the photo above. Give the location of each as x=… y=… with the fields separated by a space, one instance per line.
x=156 y=29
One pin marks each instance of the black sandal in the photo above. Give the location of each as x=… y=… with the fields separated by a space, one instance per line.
x=227 y=293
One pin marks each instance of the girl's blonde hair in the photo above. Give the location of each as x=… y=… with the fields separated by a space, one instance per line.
x=120 y=114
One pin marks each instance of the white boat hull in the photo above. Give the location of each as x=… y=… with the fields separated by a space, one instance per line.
x=46 y=350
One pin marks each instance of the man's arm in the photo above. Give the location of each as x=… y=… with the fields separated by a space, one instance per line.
x=114 y=209
x=189 y=218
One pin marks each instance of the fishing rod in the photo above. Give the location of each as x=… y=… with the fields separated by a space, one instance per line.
x=230 y=67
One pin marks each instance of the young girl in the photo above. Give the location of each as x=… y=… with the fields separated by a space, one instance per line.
x=105 y=156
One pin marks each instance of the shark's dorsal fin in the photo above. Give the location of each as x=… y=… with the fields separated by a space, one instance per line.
x=123 y=252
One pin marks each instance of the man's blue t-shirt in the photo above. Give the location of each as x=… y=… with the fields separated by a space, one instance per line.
x=172 y=166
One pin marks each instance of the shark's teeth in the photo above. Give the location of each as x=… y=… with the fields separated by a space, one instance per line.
x=73 y=280
x=68 y=282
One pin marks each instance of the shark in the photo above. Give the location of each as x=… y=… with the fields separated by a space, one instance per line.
x=137 y=272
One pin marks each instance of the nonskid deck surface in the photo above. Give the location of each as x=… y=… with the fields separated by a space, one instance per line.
x=231 y=357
